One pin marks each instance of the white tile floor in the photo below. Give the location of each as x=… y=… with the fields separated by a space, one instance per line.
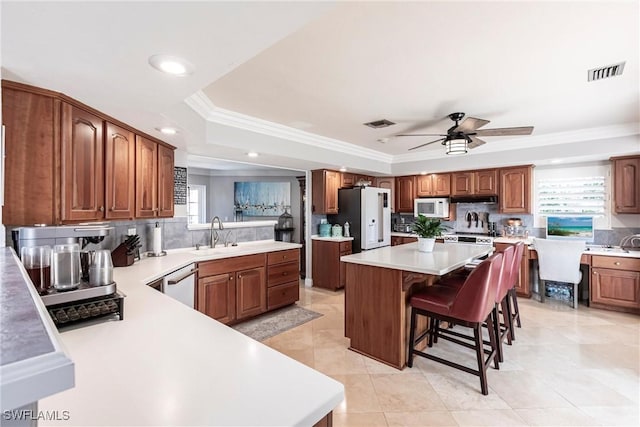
x=566 y=368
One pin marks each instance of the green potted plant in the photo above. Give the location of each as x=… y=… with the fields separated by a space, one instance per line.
x=427 y=230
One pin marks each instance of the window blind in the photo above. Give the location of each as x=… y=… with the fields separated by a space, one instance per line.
x=572 y=196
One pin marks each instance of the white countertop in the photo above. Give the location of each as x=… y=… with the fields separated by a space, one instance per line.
x=167 y=364
x=444 y=258
x=332 y=239
x=590 y=249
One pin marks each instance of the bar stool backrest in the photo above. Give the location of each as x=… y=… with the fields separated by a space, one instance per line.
x=505 y=273
x=515 y=265
x=477 y=296
x=559 y=260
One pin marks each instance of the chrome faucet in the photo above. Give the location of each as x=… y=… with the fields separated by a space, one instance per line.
x=213 y=235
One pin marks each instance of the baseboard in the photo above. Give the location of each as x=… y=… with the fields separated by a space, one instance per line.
x=308 y=283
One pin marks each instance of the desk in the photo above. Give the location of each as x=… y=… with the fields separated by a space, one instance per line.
x=379 y=284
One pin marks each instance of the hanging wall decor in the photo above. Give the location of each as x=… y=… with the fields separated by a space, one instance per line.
x=262 y=198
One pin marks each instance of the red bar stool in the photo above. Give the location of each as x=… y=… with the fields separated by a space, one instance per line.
x=469 y=306
x=502 y=328
x=512 y=300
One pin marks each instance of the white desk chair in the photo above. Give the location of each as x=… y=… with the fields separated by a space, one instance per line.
x=559 y=261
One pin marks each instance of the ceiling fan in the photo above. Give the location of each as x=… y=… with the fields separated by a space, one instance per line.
x=463 y=136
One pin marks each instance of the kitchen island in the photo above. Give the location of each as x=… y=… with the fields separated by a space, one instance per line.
x=168 y=364
x=379 y=284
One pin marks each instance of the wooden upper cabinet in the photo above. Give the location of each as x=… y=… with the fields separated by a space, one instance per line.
x=462 y=184
x=66 y=162
x=165 y=181
x=469 y=183
x=82 y=165
x=486 y=182
x=325 y=184
x=515 y=189
x=626 y=184
x=424 y=186
x=389 y=183
x=146 y=178
x=32 y=147
x=405 y=193
x=433 y=185
x=347 y=180
x=120 y=164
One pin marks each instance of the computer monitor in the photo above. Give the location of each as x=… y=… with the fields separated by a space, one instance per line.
x=570 y=228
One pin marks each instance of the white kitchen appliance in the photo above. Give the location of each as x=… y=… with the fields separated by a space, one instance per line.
x=180 y=285
x=368 y=212
x=431 y=207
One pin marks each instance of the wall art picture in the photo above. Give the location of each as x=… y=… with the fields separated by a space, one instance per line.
x=262 y=198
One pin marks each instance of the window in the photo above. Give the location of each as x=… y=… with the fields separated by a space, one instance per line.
x=197 y=204
x=580 y=190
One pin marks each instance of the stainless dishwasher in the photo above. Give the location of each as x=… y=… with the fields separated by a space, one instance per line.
x=180 y=285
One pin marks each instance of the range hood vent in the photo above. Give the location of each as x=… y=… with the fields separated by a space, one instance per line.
x=474 y=199
x=605 y=72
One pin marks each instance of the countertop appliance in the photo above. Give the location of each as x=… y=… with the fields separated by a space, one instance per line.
x=180 y=285
x=84 y=303
x=80 y=304
x=431 y=207
x=368 y=212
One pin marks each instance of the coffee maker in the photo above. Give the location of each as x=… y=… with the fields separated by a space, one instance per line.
x=79 y=300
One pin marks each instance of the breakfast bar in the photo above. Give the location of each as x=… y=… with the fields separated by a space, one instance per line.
x=378 y=287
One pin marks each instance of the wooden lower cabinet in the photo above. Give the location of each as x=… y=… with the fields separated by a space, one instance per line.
x=327 y=270
x=523 y=286
x=283 y=272
x=217 y=297
x=234 y=289
x=401 y=240
x=251 y=293
x=615 y=283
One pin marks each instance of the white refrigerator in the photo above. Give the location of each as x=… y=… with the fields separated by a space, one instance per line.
x=368 y=211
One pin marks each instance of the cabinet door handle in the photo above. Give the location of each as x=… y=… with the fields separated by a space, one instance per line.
x=616 y=263
x=230 y=277
x=101 y=209
x=181 y=278
x=284 y=273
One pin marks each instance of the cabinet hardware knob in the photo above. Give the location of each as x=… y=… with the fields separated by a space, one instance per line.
x=616 y=263
x=230 y=277
x=101 y=209
x=239 y=276
x=284 y=273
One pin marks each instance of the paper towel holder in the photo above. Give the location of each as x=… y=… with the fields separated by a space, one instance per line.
x=156 y=254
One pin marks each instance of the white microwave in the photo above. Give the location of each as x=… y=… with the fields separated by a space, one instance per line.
x=433 y=207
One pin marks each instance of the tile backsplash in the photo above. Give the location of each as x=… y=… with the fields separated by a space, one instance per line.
x=175 y=234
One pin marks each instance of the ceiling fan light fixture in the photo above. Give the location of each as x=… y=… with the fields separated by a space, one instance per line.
x=456 y=146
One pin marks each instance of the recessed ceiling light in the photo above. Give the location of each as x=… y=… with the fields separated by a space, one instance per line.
x=252 y=154
x=167 y=130
x=343 y=169
x=423 y=173
x=171 y=65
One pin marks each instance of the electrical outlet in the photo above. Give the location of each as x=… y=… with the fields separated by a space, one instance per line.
x=131 y=231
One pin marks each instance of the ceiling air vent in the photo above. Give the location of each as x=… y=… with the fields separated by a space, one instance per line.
x=377 y=124
x=604 y=72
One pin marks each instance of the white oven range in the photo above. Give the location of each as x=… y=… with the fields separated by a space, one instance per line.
x=474 y=239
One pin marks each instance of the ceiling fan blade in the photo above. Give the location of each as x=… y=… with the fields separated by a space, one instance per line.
x=431 y=142
x=470 y=124
x=475 y=142
x=421 y=134
x=523 y=130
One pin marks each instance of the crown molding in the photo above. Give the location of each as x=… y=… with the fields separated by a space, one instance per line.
x=202 y=105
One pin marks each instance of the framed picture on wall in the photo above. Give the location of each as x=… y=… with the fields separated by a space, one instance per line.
x=255 y=198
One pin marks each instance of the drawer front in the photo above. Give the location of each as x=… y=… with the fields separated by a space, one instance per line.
x=282 y=273
x=616 y=263
x=345 y=246
x=229 y=265
x=278 y=296
x=282 y=256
